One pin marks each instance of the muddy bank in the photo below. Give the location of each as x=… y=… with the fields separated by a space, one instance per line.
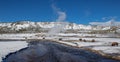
x=46 y=51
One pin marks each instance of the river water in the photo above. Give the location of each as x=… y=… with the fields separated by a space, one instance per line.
x=48 y=51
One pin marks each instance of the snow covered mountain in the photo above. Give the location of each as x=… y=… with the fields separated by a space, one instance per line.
x=38 y=26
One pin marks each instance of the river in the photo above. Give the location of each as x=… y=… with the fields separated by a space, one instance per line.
x=49 y=51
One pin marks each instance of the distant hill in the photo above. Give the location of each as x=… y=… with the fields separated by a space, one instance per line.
x=28 y=26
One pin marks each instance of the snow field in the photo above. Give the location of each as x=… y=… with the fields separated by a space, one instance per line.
x=10 y=46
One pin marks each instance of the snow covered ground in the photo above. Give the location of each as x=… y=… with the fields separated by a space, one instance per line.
x=101 y=44
x=38 y=35
x=16 y=36
x=88 y=35
x=7 y=47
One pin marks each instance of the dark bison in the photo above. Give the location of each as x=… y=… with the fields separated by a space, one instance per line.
x=80 y=39
x=114 y=44
x=93 y=40
x=43 y=38
x=60 y=39
x=84 y=40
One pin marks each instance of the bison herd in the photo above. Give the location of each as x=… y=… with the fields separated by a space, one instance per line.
x=93 y=40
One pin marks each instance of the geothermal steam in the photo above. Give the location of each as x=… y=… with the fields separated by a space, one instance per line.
x=59 y=24
x=61 y=14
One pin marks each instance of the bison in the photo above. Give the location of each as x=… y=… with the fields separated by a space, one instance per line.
x=114 y=44
x=60 y=39
x=92 y=40
x=80 y=39
x=43 y=38
x=84 y=40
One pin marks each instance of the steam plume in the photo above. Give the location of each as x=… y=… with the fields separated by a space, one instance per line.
x=61 y=14
x=60 y=24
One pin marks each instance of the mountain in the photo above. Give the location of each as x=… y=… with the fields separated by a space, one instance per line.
x=27 y=26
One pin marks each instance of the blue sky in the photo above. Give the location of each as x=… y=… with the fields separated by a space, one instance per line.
x=77 y=11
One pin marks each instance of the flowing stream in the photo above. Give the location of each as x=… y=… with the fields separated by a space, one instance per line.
x=48 y=51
